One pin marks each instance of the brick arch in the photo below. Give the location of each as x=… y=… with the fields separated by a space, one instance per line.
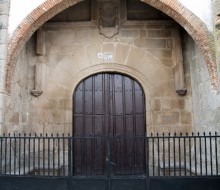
x=192 y=24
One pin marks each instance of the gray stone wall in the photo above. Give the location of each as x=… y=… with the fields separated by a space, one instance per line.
x=206 y=103
x=4 y=14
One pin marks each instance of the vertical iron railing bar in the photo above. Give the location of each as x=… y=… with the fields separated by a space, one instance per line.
x=216 y=153
x=137 y=158
x=152 y=138
x=44 y=155
x=24 y=147
x=195 y=153
x=9 y=154
x=1 y=156
x=210 y=143
x=85 y=157
x=174 y=153
x=169 y=153
x=81 y=156
x=58 y=159
x=180 y=154
x=190 y=157
x=34 y=149
x=63 y=138
x=130 y=155
x=15 y=155
x=147 y=155
x=120 y=161
x=200 y=153
x=6 y=154
x=92 y=155
x=184 y=147
x=96 y=157
x=158 y=154
x=48 y=154
x=142 y=155
x=163 y=138
x=19 y=154
x=29 y=153
x=206 y=164
x=54 y=159
x=104 y=154
x=38 y=159
x=69 y=156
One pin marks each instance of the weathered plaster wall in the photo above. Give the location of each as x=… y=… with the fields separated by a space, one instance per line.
x=17 y=106
x=206 y=103
x=4 y=14
x=144 y=51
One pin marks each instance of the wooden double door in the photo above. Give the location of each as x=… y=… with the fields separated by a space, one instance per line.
x=108 y=126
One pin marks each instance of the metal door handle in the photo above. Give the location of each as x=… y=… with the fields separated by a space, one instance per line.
x=112 y=163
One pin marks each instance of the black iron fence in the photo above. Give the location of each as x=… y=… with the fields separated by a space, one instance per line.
x=159 y=155
x=184 y=155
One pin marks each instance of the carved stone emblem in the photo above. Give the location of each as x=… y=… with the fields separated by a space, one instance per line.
x=107 y=15
x=108 y=18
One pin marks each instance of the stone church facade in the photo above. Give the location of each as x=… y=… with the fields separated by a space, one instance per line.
x=160 y=44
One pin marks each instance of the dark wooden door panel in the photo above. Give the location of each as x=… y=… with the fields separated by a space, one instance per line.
x=109 y=105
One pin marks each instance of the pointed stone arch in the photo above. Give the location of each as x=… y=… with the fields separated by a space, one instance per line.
x=191 y=23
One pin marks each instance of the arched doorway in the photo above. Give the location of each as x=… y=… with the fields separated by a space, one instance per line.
x=109 y=126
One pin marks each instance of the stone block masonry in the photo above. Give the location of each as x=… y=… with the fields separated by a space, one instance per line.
x=72 y=54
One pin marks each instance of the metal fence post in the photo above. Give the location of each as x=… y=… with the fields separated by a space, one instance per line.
x=69 y=156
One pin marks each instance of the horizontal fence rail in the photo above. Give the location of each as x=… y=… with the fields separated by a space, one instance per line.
x=156 y=155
